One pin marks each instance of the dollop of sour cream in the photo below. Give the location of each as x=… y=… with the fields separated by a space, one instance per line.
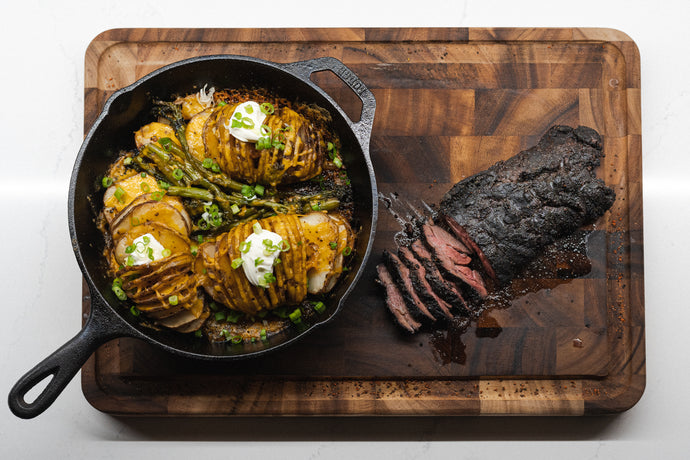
x=141 y=254
x=245 y=123
x=262 y=250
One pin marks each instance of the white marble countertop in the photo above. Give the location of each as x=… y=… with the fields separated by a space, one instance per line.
x=42 y=49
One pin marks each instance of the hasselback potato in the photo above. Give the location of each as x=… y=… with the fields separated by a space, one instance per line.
x=309 y=262
x=295 y=153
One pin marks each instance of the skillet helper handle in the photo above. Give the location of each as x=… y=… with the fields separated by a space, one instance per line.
x=363 y=127
x=64 y=363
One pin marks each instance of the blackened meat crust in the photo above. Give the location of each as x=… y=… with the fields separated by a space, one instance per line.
x=517 y=207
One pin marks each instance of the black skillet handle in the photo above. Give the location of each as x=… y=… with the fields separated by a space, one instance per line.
x=363 y=127
x=64 y=363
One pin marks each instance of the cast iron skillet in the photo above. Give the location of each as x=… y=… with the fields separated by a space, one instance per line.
x=126 y=111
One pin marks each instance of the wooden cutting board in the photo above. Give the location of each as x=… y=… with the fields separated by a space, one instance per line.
x=450 y=102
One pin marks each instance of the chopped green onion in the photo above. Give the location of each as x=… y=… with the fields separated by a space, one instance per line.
x=166 y=252
x=143 y=175
x=338 y=162
x=178 y=174
x=277 y=261
x=257 y=228
x=117 y=289
x=166 y=142
x=329 y=146
x=173 y=300
x=130 y=249
x=235 y=209
x=347 y=251
x=233 y=316
x=249 y=109
x=134 y=311
x=130 y=261
x=316 y=207
x=284 y=246
x=263 y=335
x=247 y=191
x=215 y=168
x=319 y=307
x=157 y=196
x=296 y=316
x=198 y=333
x=267 y=108
x=221 y=104
x=127 y=161
x=207 y=163
x=258 y=261
x=247 y=123
x=236 y=263
x=200 y=238
x=277 y=144
x=107 y=181
x=244 y=246
x=150 y=253
x=265 y=130
x=269 y=278
x=236 y=339
x=220 y=316
x=225 y=333
x=259 y=189
x=216 y=220
x=213 y=306
x=164 y=185
x=120 y=194
x=194 y=249
x=146 y=239
x=263 y=143
x=333 y=245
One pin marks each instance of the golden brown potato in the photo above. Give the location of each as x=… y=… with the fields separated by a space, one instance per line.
x=144 y=210
x=194 y=134
x=123 y=192
x=152 y=133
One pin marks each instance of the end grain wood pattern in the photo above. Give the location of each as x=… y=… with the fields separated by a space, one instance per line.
x=450 y=102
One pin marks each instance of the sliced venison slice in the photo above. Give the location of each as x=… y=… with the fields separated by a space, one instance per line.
x=444 y=288
x=395 y=301
x=437 y=306
x=452 y=257
x=401 y=275
x=449 y=247
x=461 y=234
